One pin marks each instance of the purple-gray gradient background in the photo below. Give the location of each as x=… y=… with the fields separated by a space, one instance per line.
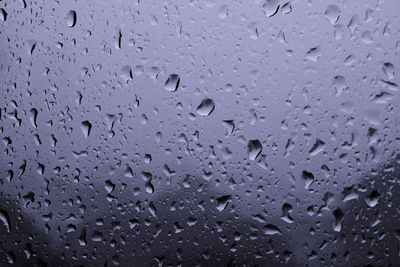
x=200 y=133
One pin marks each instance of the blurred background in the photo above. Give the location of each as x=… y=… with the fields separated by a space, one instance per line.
x=199 y=133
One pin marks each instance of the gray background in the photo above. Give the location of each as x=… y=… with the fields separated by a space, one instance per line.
x=209 y=133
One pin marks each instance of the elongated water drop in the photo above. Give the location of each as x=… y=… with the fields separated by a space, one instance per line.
x=71 y=18
x=254 y=149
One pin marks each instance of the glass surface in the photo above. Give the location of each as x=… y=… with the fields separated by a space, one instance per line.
x=199 y=133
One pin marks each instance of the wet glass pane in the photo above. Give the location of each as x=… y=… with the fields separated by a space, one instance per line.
x=199 y=133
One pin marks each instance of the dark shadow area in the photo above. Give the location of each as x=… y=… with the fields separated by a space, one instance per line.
x=195 y=225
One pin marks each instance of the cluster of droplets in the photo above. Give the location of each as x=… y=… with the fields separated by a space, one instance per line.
x=199 y=133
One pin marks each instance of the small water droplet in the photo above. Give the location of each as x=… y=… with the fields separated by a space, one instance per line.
x=86 y=127
x=308 y=179
x=3 y=14
x=271 y=7
x=337 y=223
x=206 y=107
x=172 y=83
x=373 y=199
x=388 y=69
x=317 y=147
x=4 y=218
x=271 y=230
x=223 y=12
x=254 y=149
x=332 y=13
x=126 y=73
x=223 y=202
x=71 y=18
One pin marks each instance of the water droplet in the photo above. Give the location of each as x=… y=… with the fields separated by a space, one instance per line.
x=223 y=12
x=86 y=127
x=314 y=53
x=353 y=24
x=3 y=14
x=152 y=209
x=308 y=179
x=33 y=117
x=373 y=198
x=286 y=8
x=172 y=83
x=230 y=126
x=332 y=13
x=271 y=7
x=339 y=82
x=270 y=229
x=30 y=46
x=206 y=107
x=222 y=202
x=349 y=194
x=317 y=147
x=126 y=73
x=372 y=116
x=71 y=18
x=254 y=149
x=109 y=186
x=388 y=69
x=338 y=221
x=4 y=218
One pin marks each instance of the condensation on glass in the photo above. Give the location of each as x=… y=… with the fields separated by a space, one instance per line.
x=199 y=133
